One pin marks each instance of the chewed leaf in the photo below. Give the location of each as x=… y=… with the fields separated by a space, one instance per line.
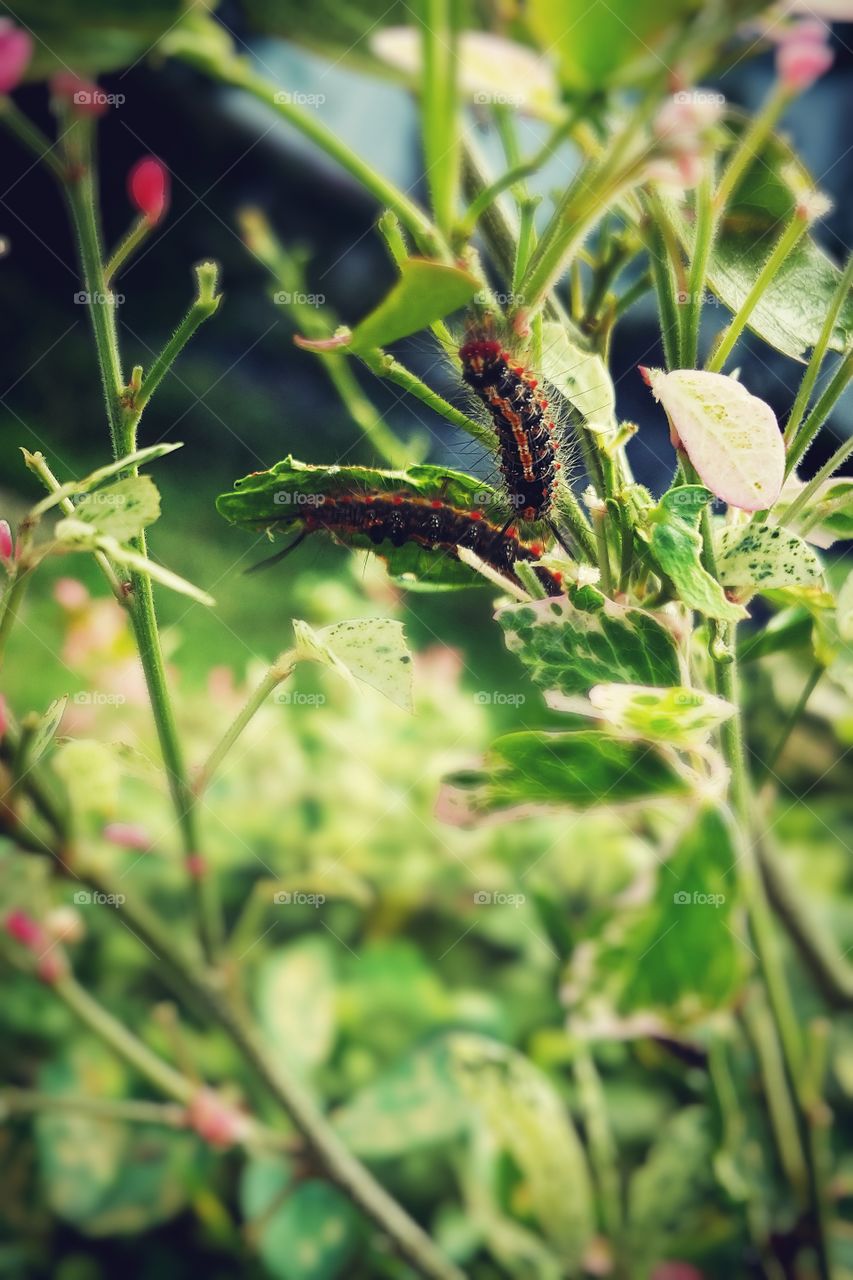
x=583 y=639
x=425 y=292
x=680 y=716
x=372 y=650
x=677 y=546
x=764 y=556
x=731 y=437
x=136 y=459
x=121 y=510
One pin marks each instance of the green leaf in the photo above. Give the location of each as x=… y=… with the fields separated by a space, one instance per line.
x=530 y=1121
x=46 y=729
x=78 y=535
x=676 y=957
x=790 y=313
x=581 y=376
x=425 y=292
x=373 y=650
x=95 y=478
x=105 y=1177
x=308 y=1231
x=829 y=514
x=121 y=510
x=296 y=1002
x=276 y=500
x=680 y=716
x=597 y=46
x=731 y=437
x=762 y=556
x=416 y=1103
x=677 y=546
x=584 y=639
x=100 y=35
x=576 y=770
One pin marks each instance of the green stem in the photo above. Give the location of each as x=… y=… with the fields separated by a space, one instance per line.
x=439 y=108
x=278 y=672
x=706 y=231
x=806 y=387
x=127 y=246
x=819 y=414
x=783 y=1117
x=239 y=73
x=385 y=366
x=82 y=195
x=119 y=1110
x=602 y=1149
x=808 y=491
x=749 y=146
x=32 y=138
x=789 y=238
x=794 y=718
x=205 y=305
x=12 y=598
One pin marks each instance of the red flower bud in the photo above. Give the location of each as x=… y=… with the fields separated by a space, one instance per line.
x=25 y=929
x=16 y=50
x=803 y=56
x=215 y=1120
x=6 y=544
x=148 y=188
x=127 y=834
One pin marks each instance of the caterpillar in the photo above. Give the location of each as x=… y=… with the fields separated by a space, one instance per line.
x=525 y=431
x=431 y=523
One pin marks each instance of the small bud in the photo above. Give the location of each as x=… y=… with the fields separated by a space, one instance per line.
x=16 y=50
x=197 y=865
x=73 y=93
x=803 y=56
x=52 y=966
x=7 y=547
x=148 y=188
x=25 y=929
x=129 y=835
x=215 y=1120
x=65 y=924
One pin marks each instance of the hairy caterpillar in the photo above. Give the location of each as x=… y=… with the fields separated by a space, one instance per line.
x=525 y=430
x=431 y=523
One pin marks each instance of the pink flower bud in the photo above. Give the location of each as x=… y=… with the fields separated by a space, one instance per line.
x=7 y=547
x=83 y=97
x=16 y=50
x=25 y=929
x=148 y=188
x=215 y=1120
x=127 y=834
x=803 y=56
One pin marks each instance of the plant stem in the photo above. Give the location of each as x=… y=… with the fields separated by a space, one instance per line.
x=794 y=718
x=439 y=107
x=750 y=144
x=127 y=246
x=385 y=366
x=819 y=414
x=239 y=73
x=10 y=604
x=81 y=194
x=32 y=137
x=602 y=1149
x=205 y=305
x=820 y=348
x=783 y=1118
x=278 y=672
x=120 y=1110
x=703 y=244
x=789 y=238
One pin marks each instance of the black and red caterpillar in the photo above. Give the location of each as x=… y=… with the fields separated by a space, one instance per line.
x=528 y=453
x=432 y=524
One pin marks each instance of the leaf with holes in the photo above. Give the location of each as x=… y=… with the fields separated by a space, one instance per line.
x=731 y=437
x=583 y=639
